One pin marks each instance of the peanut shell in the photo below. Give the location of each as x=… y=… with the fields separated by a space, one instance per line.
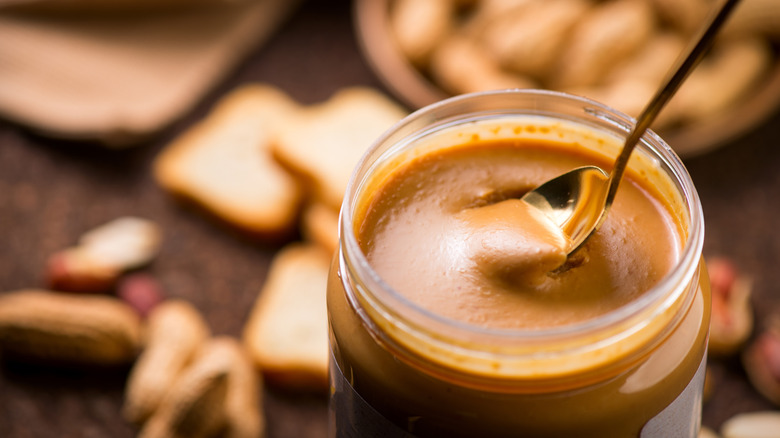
x=243 y=406
x=527 y=40
x=607 y=34
x=194 y=407
x=764 y=424
x=762 y=363
x=460 y=65
x=175 y=333
x=60 y=327
x=419 y=25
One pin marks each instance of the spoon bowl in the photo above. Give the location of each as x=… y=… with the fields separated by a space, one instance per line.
x=574 y=202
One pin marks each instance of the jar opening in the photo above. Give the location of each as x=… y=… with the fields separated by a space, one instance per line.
x=404 y=322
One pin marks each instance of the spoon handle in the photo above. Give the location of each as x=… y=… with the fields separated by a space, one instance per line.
x=674 y=79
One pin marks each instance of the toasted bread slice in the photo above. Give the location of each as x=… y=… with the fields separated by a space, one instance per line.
x=320 y=225
x=325 y=141
x=287 y=331
x=224 y=163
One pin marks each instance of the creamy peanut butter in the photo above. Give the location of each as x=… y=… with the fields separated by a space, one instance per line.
x=448 y=232
x=512 y=242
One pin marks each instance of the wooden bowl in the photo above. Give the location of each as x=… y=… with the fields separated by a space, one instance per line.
x=416 y=90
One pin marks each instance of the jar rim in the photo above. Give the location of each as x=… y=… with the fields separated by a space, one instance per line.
x=682 y=273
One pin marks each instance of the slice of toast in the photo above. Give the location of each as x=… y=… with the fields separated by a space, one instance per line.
x=327 y=140
x=224 y=163
x=287 y=331
x=320 y=225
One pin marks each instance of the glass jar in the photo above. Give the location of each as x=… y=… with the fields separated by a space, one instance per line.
x=398 y=370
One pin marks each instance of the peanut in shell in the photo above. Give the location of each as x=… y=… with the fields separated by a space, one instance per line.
x=59 y=327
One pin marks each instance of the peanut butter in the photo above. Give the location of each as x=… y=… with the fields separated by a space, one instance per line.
x=447 y=232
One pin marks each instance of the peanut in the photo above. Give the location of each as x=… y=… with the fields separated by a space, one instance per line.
x=629 y=95
x=651 y=62
x=608 y=33
x=685 y=15
x=126 y=242
x=762 y=362
x=419 y=25
x=461 y=66
x=723 y=78
x=485 y=12
x=141 y=291
x=85 y=329
x=707 y=433
x=528 y=39
x=72 y=270
x=630 y=84
x=732 y=317
x=194 y=407
x=763 y=424
x=102 y=254
x=754 y=17
x=243 y=410
x=174 y=333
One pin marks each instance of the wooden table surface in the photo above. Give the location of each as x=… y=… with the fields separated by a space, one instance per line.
x=51 y=191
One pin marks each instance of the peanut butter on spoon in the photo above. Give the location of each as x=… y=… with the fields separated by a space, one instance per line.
x=513 y=241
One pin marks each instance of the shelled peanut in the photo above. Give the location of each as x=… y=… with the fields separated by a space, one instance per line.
x=103 y=254
x=609 y=50
x=141 y=291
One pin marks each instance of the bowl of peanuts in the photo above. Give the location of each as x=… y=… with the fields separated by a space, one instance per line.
x=613 y=51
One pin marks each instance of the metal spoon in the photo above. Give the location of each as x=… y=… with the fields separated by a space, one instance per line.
x=578 y=201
